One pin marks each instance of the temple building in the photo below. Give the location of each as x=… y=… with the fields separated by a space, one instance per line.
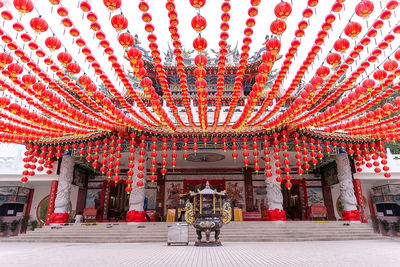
x=110 y=111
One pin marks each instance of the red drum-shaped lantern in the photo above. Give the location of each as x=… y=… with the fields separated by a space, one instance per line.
x=341 y=45
x=364 y=8
x=199 y=23
x=200 y=44
x=283 y=10
x=119 y=22
x=73 y=68
x=23 y=6
x=273 y=45
x=126 y=40
x=39 y=25
x=112 y=4
x=353 y=29
x=197 y=3
x=53 y=43
x=278 y=27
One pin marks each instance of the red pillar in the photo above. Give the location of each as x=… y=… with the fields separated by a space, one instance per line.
x=28 y=207
x=52 y=198
x=360 y=199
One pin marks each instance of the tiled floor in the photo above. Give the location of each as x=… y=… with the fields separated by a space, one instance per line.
x=317 y=253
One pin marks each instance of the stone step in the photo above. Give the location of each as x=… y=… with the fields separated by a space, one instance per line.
x=287 y=239
x=193 y=232
x=234 y=232
x=192 y=229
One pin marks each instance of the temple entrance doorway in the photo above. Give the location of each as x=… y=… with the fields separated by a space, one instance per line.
x=118 y=202
x=295 y=201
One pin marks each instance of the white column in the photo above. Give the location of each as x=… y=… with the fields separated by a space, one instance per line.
x=64 y=184
x=136 y=198
x=274 y=192
x=347 y=196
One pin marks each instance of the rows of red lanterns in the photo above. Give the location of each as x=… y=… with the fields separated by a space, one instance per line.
x=63 y=99
x=113 y=115
x=104 y=154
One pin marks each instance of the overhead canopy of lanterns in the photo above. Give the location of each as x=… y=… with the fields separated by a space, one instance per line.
x=345 y=94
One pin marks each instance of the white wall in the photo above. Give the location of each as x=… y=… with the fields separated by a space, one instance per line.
x=11 y=156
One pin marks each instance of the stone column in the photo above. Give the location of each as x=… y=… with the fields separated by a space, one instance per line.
x=61 y=203
x=136 y=212
x=349 y=202
x=275 y=210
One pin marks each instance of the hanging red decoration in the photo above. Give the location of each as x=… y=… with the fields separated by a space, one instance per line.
x=353 y=29
x=341 y=45
x=73 y=68
x=23 y=6
x=278 y=27
x=283 y=10
x=39 y=25
x=53 y=43
x=112 y=4
x=119 y=22
x=364 y=8
x=126 y=40
x=199 y=23
x=197 y=3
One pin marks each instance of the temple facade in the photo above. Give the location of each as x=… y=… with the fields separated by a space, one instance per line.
x=332 y=190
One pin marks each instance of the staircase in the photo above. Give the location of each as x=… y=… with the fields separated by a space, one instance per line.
x=253 y=231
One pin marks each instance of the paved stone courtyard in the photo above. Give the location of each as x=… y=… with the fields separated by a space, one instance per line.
x=318 y=253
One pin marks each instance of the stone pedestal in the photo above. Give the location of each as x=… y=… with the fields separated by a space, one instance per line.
x=61 y=214
x=275 y=210
x=349 y=202
x=136 y=212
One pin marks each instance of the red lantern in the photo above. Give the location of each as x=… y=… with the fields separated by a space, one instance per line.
x=64 y=58
x=283 y=10
x=28 y=79
x=380 y=75
x=278 y=27
x=15 y=69
x=112 y=4
x=119 y=22
x=73 y=68
x=53 y=43
x=333 y=59
x=273 y=45
x=197 y=3
x=23 y=6
x=341 y=45
x=323 y=71
x=199 y=23
x=390 y=65
x=85 y=6
x=6 y=59
x=364 y=8
x=353 y=29
x=39 y=25
x=126 y=40
x=199 y=44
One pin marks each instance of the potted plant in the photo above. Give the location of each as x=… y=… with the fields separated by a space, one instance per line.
x=34 y=224
x=13 y=227
x=396 y=227
x=375 y=224
x=24 y=223
x=3 y=228
x=386 y=227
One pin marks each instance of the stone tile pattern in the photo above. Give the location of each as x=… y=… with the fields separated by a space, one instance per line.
x=317 y=253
